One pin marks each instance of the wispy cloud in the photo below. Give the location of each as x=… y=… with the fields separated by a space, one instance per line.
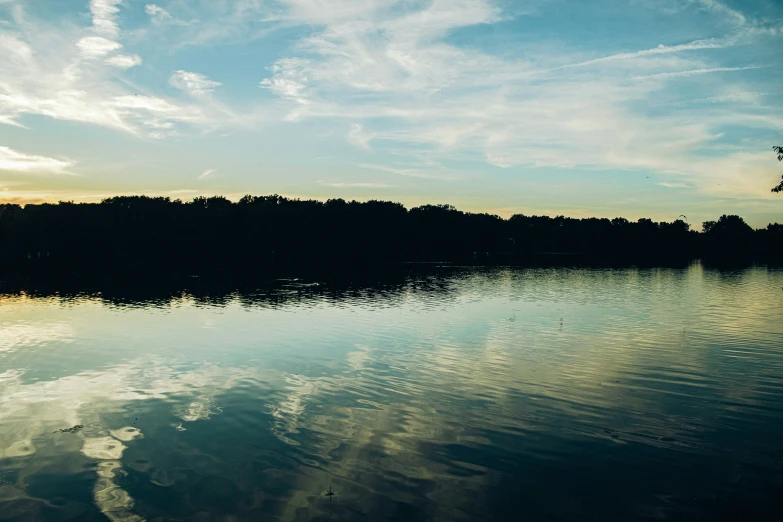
x=419 y=82
x=723 y=10
x=668 y=184
x=359 y=137
x=104 y=15
x=206 y=173
x=159 y=16
x=660 y=49
x=124 y=61
x=15 y=161
x=75 y=73
x=742 y=96
x=693 y=72
x=355 y=184
x=157 y=13
x=210 y=22
x=43 y=77
x=406 y=89
x=410 y=172
x=193 y=83
x=96 y=46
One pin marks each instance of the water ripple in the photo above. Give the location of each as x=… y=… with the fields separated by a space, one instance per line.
x=458 y=394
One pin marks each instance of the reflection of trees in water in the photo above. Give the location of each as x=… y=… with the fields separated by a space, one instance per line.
x=376 y=287
x=407 y=421
x=381 y=287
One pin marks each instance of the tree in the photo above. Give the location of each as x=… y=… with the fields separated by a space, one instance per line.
x=728 y=226
x=728 y=240
x=779 y=151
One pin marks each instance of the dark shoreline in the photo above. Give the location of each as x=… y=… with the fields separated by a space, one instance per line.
x=274 y=236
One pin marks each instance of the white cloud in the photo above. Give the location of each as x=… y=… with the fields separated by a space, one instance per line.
x=693 y=72
x=661 y=49
x=722 y=9
x=124 y=61
x=287 y=81
x=390 y=74
x=104 y=15
x=211 y=22
x=96 y=46
x=157 y=13
x=359 y=137
x=47 y=79
x=356 y=184
x=7 y=119
x=15 y=50
x=14 y=161
x=410 y=172
x=742 y=96
x=206 y=173
x=42 y=77
x=387 y=69
x=104 y=23
x=160 y=16
x=668 y=184
x=193 y=83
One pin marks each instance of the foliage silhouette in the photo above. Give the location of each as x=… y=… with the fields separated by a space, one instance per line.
x=147 y=235
x=779 y=151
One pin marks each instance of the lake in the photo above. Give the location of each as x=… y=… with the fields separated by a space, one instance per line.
x=444 y=394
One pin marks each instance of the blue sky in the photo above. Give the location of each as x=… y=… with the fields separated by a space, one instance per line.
x=632 y=108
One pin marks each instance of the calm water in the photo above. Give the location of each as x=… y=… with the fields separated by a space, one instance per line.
x=457 y=395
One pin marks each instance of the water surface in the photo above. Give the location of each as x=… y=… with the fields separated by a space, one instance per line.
x=541 y=394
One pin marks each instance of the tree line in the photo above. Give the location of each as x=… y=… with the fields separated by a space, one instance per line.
x=153 y=234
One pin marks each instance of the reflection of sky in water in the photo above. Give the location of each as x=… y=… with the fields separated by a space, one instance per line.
x=453 y=397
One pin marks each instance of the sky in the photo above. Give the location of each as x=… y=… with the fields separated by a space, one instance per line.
x=635 y=108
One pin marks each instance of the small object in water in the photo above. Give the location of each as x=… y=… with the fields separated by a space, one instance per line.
x=69 y=430
x=329 y=493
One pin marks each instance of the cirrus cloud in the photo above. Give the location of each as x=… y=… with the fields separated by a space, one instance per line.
x=15 y=161
x=193 y=83
x=157 y=13
x=81 y=83
x=124 y=61
x=96 y=46
x=392 y=72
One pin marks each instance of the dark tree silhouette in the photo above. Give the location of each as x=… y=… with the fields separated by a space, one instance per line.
x=728 y=238
x=779 y=151
x=264 y=234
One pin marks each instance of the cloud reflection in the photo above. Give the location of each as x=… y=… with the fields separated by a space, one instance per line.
x=16 y=336
x=32 y=410
x=442 y=393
